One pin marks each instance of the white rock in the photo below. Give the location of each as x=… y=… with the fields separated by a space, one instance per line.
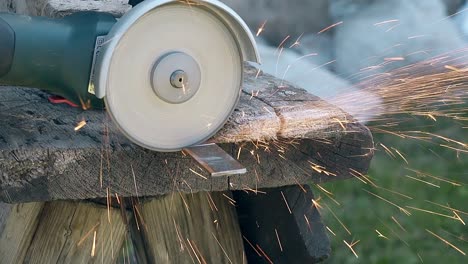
x=461 y=20
x=413 y=31
x=291 y=67
x=284 y=17
x=322 y=45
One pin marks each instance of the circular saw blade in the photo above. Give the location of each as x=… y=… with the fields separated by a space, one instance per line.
x=148 y=119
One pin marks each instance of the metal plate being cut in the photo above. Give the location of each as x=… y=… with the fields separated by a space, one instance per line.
x=215 y=160
x=163 y=123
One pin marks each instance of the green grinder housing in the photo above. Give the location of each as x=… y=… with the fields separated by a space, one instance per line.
x=55 y=55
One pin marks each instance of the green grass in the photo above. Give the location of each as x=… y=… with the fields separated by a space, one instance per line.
x=363 y=213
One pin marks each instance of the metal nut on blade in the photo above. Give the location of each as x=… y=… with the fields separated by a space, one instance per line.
x=179 y=79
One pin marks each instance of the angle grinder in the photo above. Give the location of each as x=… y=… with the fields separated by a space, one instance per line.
x=169 y=72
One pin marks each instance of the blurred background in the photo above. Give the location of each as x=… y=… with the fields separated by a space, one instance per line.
x=416 y=196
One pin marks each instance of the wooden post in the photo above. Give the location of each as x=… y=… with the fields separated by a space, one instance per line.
x=185 y=228
x=61 y=232
x=18 y=223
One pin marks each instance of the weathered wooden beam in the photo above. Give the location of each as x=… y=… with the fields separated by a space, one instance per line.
x=60 y=8
x=61 y=232
x=185 y=228
x=304 y=139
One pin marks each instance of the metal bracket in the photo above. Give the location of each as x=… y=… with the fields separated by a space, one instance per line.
x=215 y=160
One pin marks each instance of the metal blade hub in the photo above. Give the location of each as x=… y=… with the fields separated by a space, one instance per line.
x=176 y=77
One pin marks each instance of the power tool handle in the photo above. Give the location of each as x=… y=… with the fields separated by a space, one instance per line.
x=52 y=54
x=7 y=47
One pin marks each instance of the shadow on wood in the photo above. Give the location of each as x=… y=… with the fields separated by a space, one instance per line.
x=281 y=225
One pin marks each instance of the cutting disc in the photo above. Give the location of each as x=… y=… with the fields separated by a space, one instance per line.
x=174 y=77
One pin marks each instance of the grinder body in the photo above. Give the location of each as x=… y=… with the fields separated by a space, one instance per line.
x=55 y=55
x=169 y=71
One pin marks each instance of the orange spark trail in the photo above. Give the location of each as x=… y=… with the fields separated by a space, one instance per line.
x=264 y=254
x=256 y=251
x=261 y=28
x=434 y=213
x=446 y=242
x=279 y=241
x=383 y=199
x=198 y=174
x=336 y=217
x=286 y=202
x=385 y=22
x=330 y=27
x=350 y=246
x=224 y=251
x=93 y=249
x=80 y=125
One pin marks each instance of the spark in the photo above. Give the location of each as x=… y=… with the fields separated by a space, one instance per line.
x=279 y=241
x=277 y=64
x=329 y=230
x=185 y=203
x=459 y=218
x=307 y=222
x=256 y=251
x=230 y=199
x=281 y=45
x=394 y=59
x=134 y=181
x=316 y=204
x=434 y=213
x=224 y=251
x=80 y=125
x=426 y=182
x=392 y=27
x=336 y=217
x=211 y=202
x=109 y=201
x=198 y=174
x=452 y=15
x=419 y=173
x=194 y=252
x=264 y=254
x=323 y=189
x=93 y=249
x=395 y=192
x=453 y=68
x=87 y=234
x=446 y=242
x=350 y=246
x=286 y=202
x=386 y=22
x=401 y=155
x=85 y=105
x=448 y=207
x=389 y=152
x=297 y=42
x=179 y=236
x=320 y=169
x=261 y=28
x=239 y=152
x=398 y=223
x=420 y=258
x=383 y=199
x=199 y=253
x=416 y=36
x=380 y=234
x=256 y=76
x=329 y=27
